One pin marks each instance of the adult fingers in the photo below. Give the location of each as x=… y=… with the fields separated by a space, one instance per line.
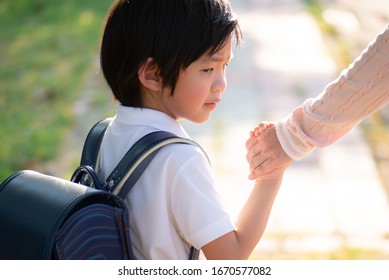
x=265 y=166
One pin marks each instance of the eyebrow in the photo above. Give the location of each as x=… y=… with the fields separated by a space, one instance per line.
x=215 y=58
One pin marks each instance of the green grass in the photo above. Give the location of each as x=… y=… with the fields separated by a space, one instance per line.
x=46 y=48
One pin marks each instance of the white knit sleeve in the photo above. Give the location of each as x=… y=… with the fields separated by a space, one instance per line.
x=359 y=91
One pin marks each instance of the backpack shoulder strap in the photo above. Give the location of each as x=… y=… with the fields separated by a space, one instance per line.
x=136 y=160
x=91 y=149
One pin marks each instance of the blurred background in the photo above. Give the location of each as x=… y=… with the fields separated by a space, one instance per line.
x=332 y=205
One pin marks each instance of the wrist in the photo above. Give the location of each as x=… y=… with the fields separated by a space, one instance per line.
x=291 y=138
x=273 y=176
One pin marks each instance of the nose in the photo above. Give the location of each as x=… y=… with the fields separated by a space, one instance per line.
x=220 y=82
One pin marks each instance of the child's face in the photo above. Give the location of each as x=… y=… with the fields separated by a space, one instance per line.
x=199 y=87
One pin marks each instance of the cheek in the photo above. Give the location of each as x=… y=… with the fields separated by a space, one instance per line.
x=187 y=103
x=192 y=87
x=195 y=96
x=188 y=100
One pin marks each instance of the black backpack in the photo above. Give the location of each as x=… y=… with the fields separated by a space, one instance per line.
x=46 y=217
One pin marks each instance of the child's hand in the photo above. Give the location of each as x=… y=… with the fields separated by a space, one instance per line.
x=264 y=151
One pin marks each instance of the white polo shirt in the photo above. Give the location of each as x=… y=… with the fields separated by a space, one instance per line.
x=174 y=204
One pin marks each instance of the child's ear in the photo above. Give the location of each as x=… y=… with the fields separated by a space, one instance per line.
x=148 y=75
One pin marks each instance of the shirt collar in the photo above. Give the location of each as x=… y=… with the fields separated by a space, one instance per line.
x=151 y=118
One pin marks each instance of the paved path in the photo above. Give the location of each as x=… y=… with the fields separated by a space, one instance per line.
x=331 y=199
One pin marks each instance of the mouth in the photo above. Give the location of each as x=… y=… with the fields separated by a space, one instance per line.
x=212 y=104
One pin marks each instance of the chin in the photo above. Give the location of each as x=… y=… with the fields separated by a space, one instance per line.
x=201 y=120
x=198 y=120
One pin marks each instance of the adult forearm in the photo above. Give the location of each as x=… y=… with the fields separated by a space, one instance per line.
x=359 y=91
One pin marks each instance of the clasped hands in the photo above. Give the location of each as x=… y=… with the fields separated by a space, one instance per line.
x=265 y=154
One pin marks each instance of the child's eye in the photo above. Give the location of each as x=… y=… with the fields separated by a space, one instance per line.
x=208 y=70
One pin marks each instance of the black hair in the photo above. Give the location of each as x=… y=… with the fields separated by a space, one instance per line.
x=174 y=33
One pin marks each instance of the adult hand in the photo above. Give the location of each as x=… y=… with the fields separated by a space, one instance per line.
x=264 y=151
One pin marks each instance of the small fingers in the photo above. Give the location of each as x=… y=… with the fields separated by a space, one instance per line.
x=259 y=160
x=261 y=127
x=251 y=142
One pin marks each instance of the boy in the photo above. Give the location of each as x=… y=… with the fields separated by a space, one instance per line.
x=165 y=61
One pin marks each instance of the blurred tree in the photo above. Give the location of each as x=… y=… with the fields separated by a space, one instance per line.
x=46 y=48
